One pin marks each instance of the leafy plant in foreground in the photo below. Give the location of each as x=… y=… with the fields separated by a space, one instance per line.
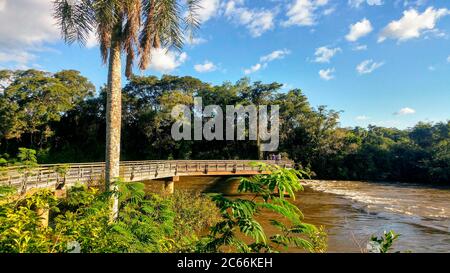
x=239 y=216
x=80 y=221
x=382 y=244
x=27 y=161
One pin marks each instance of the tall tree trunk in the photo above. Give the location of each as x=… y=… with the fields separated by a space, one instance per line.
x=113 y=122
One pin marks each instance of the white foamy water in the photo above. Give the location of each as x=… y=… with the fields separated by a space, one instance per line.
x=423 y=205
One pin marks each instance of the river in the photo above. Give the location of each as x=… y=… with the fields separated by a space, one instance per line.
x=353 y=211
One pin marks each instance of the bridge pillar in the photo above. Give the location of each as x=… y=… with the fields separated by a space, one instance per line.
x=61 y=193
x=43 y=214
x=169 y=185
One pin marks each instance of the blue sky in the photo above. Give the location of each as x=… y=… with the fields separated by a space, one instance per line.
x=381 y=62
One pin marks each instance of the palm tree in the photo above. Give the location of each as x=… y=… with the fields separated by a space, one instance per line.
x=134 y=27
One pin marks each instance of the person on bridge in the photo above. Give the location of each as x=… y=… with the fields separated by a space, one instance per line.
x=278 y=157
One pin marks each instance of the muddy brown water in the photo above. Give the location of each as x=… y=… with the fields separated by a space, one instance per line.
x=353 y=211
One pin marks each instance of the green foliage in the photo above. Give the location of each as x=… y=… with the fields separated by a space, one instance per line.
x=240 y=216
x=3 y=162
x=3 y=165
x=61 y=170
x=20 y=225
x=6 y=192
x=21 y=232
x=27 y=158
x=146 y=222
x=190 y=209
x=44 y=198
x=31 y=100
x=27 y=161
x=382 y=244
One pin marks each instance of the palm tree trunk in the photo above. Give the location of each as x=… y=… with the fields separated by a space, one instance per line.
x=113 y=122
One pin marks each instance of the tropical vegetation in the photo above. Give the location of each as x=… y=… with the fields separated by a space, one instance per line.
x=184 y=222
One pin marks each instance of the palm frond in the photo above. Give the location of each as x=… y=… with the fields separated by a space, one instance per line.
x=192 y=20
x=106 y=17
x=148 y=33
x=75 y=19
x=132 y=12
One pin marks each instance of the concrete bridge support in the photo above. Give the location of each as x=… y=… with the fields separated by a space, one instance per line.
x=169 y=185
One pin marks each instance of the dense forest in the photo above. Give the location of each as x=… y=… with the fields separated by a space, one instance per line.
x=62 y=116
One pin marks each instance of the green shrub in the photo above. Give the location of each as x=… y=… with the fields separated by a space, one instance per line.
x=146 y=223
x=382 y=244
x=194 y=212
x=21 y=229
x=239 y=216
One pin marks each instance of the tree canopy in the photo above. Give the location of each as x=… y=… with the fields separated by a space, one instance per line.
x=31 y=100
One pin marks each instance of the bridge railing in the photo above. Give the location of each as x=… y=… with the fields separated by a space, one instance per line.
x=54 y=175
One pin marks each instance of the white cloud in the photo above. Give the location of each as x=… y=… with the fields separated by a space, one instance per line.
x=19 y=57
x=327 y=74
x=358 y=3
x=287 y=86
x=432 y=68
x=163 y=60
x=275 y=55
x=256 y=21
x=329 y=11
x=388 y=123
x=360 y=48
x=413 y=24
x=266 y=59
x=303 y=12
x=362 y=118
x=448 y=59
x=358 y=30
x=405 y=111
x=25 y=27
x=368 y=66
x=91 y=40
x=252 y=69
x=207 y=66
x=207 y=9
x=324 y=54
x=2 y=4
x=193 y=41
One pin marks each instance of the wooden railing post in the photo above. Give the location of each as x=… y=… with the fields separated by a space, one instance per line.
x=39 y=176
x=132 y=173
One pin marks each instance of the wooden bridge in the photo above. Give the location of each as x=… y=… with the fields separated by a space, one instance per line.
x=61 y=175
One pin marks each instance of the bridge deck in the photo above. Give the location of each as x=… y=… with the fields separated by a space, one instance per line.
x=51 y=175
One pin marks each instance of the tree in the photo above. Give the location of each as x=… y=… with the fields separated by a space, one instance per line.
x=258 y=94
x=133 y=26
x=30 y=100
